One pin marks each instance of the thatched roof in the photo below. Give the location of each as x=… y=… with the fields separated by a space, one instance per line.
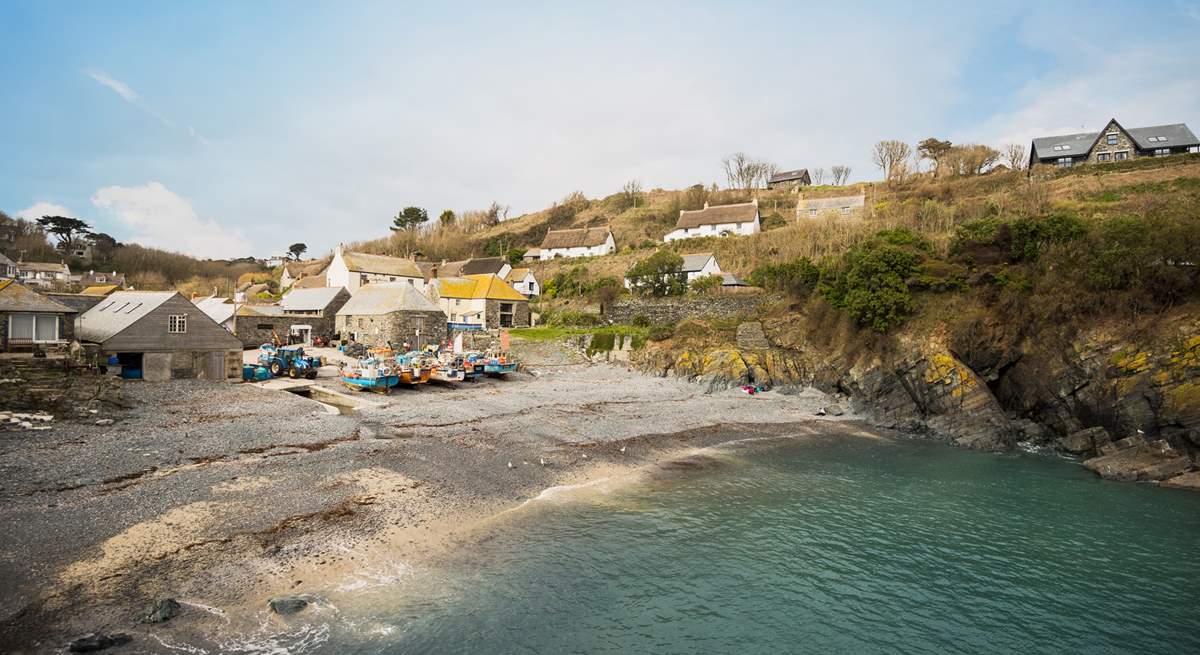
x=583 y=237
x=719 y=215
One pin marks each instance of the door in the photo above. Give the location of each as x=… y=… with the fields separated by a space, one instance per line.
x=214 y=368
x=302 y=334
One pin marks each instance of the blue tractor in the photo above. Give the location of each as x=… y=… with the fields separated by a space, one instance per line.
x=289 y=360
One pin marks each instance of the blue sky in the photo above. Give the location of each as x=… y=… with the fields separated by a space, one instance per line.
x=227 y=129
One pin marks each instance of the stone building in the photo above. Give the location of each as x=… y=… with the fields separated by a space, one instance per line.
x=834 y=206
x=1113 y=143
x=383 y=313
x=301 y=315
x=477 y=302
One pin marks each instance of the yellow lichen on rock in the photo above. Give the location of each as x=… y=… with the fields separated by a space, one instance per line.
x=1132 y=363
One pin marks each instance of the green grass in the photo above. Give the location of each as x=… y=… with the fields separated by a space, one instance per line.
x=554 y=333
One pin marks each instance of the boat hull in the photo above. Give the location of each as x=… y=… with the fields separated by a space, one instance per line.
x=499 y=369
x=382 y=383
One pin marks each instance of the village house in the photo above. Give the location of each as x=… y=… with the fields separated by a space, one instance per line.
x=100 y=279
x=473 y=266
x=160 y=335
x=253 y=293
x=695 y=266
x=44 y=274
x=8 y=268
x=849 y=206
x=532 y=255
x=352 y=270
x=301 y=315
x=29 y=320
x=718 y=221
x=100 y=290
x=295 y=271
x=577 y=242
x=310 y=282
x=525 y=282
x=274 y=261
x=1113 y=143
x=790 y=179
x=223 y=311
x=478 y=302
x=391 y=313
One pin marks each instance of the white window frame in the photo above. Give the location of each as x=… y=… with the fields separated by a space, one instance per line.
x=1111 y=138
x=177 y=324
x=1121 y=155
x=1104 y=156
x=34 y=338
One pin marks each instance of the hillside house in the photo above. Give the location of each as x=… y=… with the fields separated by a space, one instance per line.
x=532 y=255
x=44 y=274
x=1113 y=143
x=473 y=266
x=222 y=311
x=100 y=279
x=352 y=270
x=695 y=266
x=8 y=268
x=577 y=242
x=160 y=335
x=29 y=320
x=790 y=179
x=300 y=315
x=311 y=281
x=525 y=282
x=295 y=271
x=836 y=206
x=478 y=302
x=391 y=313
x=718 y=221
x=252 y=293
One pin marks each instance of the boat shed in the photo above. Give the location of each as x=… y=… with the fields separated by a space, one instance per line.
x=160 y=335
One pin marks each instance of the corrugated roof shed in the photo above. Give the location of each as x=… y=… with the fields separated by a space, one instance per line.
x=380 y=298
x=361 y=262
x=583 y=237
x=309 y=299
x=218 y=309
x=719 y=215
x=15 y=297
x=117 y=312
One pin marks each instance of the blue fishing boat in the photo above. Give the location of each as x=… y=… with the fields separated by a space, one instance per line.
x=370 y=374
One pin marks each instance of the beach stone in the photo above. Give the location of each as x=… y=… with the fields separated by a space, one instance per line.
x=287 y=604
x=98 y=641
x=834 y=410
x=104 y=421
x=163 y=609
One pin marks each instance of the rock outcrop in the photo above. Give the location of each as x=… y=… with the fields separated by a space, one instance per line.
x=1135 y=459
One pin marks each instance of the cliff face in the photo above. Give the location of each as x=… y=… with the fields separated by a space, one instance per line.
x=1128 y=405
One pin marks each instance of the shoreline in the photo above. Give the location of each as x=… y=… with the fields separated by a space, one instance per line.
x=181 y=513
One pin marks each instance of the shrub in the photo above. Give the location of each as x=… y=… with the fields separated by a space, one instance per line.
x=706 y=284
x=870 y=281
x=660 y=333
x=661 y=274
x=640 y=320
x=798 y=277
x=1031 y=237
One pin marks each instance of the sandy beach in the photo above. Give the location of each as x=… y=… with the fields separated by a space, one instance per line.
x=224 y=495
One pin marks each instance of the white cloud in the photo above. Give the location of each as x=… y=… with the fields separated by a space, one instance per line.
x=158 y=217
x=122 y=89
x=40 y=209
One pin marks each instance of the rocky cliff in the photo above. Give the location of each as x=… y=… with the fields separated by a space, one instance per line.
x=1128 y=405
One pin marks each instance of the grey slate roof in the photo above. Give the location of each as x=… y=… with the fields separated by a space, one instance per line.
x=787 y=176
x=14 y=297
x=1176 y=134
x=309 y=299
x=695 y=262
x=481 y=265
x=117 y=312
x=1079 y=144
x=379 y=298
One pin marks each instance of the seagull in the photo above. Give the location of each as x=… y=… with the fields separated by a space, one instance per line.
x=510 y=465
x=1140 y=431
x=524 y=463
x=542 y=460
x=585 y=455
x=622 y=448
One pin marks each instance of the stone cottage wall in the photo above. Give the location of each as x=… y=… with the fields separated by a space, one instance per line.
x=252 y=330
x=675 y=309
x=520 y=313
x=394 y=328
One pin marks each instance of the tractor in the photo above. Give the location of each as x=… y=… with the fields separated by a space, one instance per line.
x=288 y=359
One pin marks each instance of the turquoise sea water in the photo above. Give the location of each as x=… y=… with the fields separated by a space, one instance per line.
x=829 y=547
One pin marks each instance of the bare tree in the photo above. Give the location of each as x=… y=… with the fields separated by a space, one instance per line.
x=840 y=174
x=890 y=156
x=631 y=192
x=1014 y=155
x=496 y=213
x=745 y=173
x=818 y=175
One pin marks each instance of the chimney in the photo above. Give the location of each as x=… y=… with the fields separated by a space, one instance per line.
x=755 y=201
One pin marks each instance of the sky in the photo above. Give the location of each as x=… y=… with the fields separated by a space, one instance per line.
x=226 y=129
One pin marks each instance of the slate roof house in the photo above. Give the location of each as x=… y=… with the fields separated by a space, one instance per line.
x=1113 y=143
x=30 y=320
x=478 y=302
x=352 y=270
x=789 y=179
x=577 y=242
x=473 y=266
x=832 y=206
x=695 y=266
x=44 y=274
x=395 y=313
x=300 y=315
x=101 y=279
x=160 y=335
x=8 y=268
x=721 y=220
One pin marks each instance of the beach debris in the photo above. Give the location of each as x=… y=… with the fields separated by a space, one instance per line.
x=287 y=604
x=98 y=641
x=542 y=461
x=752 y=389
x=510 y=465
x=820 y=411
x=163 y=609
x=622 y=448
x=585 y=455
x=104 y=421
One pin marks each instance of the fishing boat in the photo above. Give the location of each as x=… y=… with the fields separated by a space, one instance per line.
x=473 y=365
x=414 y=367
x=370 y=374
x=450 y=368
x=499 y=364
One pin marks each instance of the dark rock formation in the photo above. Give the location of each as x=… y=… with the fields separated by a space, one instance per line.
x=98 y=641
x=1135 y=459
x=288 y=604
x=163 y=609
x=1084 y=441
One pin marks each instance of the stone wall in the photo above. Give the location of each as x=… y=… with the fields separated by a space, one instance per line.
x=251 y=330
x=395 y=328
x=675 y=309
x=1123 y=144
x=520 y=313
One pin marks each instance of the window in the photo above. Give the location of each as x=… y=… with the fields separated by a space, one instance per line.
x=36 y=328
x=1162 y=152
x=845 y=210
x=264 y=326
x=392 y=278
x=1157 y=139
x=1111 y=139
x=177 y=323
x=1121 y=156
x=412 y=282
x=1104 y=156
x=1062 y=147
x=506 y=314
x=812 y=212
x=362 y=278
x=1194 y=149
x=1065 y=162
x=457 y=302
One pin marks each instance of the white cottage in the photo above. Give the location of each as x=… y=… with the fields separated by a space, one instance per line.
x=719 y=221
x=352 y=270
x=577 y=242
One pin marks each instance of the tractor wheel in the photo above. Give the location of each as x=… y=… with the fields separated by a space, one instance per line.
x=311 y=375
x=292 y=373
x=276 y=369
